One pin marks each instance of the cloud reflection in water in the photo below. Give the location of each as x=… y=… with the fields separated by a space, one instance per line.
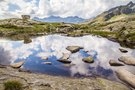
x=55 y=45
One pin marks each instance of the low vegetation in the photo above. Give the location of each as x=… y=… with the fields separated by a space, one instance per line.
x=13 y=85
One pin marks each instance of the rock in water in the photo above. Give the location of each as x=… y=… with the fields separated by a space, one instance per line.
x=123 y=50
x=89 y=59
x=126 y=76
x=44 y=58
x=74 y=49
x=115 y=63
x=27 y=40
x=127 y=60
x=17 y=65
x=64 y=61
x=65 y=58
x=48 y=63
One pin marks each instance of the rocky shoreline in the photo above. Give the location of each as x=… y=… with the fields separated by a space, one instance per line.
x=33 y=81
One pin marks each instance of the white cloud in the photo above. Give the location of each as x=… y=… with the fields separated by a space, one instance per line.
x=63 y=8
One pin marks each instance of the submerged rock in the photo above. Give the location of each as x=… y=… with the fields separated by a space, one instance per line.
x=68 y=65
x=126 y=76
x=115 y=63
x=89 y=59
x=127 y=60
x=74 y=49
x=17 y=65
x=48 y=63
x=44 y=58
x=123 y=50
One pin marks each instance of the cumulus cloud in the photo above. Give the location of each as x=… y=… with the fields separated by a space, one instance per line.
x=63 y=8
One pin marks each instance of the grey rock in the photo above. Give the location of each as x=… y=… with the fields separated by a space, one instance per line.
x=115 y=63
x=18 y=64
x=48 y=63
x=89 y=59
x=74 y=49
x=126 y=76
x=123 y=50
x=127 y=60
x=65 y=58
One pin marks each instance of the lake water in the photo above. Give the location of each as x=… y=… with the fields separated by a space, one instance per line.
x=53 y=47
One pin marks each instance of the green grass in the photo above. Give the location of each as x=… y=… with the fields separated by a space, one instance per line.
x=13 y=85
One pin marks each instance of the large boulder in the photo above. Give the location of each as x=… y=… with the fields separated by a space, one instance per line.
x=127 y=60
x=89 y=59
x=126 y=76
x=115 y=63
x=74 y=49
x=17 y=65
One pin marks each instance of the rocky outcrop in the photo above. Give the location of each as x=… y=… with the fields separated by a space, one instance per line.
x=125 y=9
x=32 y=81
x=115 y=63
x=17 y=65
x=127 y=60
x=74 y=49
x=89 y=59
x=126 y=76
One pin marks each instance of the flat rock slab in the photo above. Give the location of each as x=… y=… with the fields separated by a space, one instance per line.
x=127 y=60
x=38 y=81
x=126 y=76
x=89 y=59
x=74 y=49
x=115 y=63
x=17 y=65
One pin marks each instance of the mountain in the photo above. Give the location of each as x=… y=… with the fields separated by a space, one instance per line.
x=71 y=19
x=119 y=20
x=116 y=11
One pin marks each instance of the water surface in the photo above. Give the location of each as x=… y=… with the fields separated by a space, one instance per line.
x=53 y=47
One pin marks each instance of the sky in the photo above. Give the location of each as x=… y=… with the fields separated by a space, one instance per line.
x=63 y=8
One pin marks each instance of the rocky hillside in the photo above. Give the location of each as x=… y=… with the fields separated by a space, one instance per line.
x=119 y=20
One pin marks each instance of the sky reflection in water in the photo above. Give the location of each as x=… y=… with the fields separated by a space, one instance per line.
x=53 y=46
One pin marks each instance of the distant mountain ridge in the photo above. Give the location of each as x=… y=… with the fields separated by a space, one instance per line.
x=124 y=9
x=71 y=19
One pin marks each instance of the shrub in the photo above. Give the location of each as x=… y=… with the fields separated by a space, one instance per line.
x=13 y=85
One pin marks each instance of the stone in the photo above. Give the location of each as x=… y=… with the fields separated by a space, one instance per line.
x=66 y=61
x=89 y=59
x=48 y=63
x=27 y=40
x=126 y=76
x=65 y=58
x=115 y=63
x=74 y=49
x=17 y=65
x=123 y=50
x=25 y=17
x=44 y=58
x=127 y=60
x=68 y=65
